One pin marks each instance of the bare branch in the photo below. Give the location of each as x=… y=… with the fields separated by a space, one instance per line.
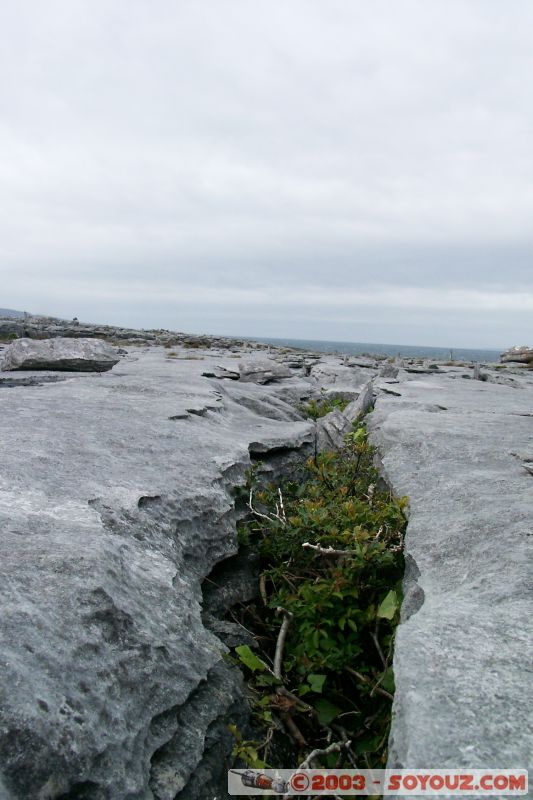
x=328 y=551
x=378 y=646
x=347 y=742
x=280 y=644
x=336 y=747
x=293 y=730
x=303 y=706
x=279 y=516
x=282 y=507
x=262 y=588
x=364 y=679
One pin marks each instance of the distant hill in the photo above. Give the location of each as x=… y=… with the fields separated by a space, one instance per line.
x=10 y=312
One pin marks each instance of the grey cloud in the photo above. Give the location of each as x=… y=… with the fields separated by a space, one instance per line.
x=150 y=149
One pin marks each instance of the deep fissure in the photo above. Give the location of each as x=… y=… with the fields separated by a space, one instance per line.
x=342 y=689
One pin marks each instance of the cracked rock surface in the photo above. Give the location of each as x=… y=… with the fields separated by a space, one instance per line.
x=459 y=449
x=116 y=500
x=70 y=355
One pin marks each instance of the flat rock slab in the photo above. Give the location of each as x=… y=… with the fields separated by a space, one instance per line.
x=65 y=354
x=116 y=500
x=520 y=354
x=459 y=450
x=262 y=370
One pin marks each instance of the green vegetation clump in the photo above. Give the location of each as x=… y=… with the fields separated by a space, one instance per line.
x=314 y=409
x=8 y=337
x=332 y=565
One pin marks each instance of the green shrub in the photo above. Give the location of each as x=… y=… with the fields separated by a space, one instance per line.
x=319 y=408
x=343 y=603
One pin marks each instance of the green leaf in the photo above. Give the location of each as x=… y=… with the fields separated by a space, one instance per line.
x=316 y=682
x=266 y=679
x=249 y=659
x=326 y=711
x=388 y=680
x=388 y=606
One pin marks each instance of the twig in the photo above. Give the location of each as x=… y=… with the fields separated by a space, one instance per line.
x=280 y=644
x=336 y=747
x=279 y=516
x=297 y=700
x=239 y=623
x=382 y=676
x=270 y=734
x=262 y=588
x=346 y=738
x=378 y=646
x=329 y=551
x=282 y=507
x=294 y=730
x=364 y=679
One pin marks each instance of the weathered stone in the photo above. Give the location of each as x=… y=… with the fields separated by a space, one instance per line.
x=388 y=371
x=71 y=355
x=113 y=509
x=464 y=645
x=364 y=403
x=117 y=508
x=521 y=354
x=331 y=430
x=330 y=373
x=262 y=371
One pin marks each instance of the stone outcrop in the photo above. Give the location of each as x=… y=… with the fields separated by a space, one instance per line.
x=362 y=405
x=118 y=549
x=117 y=499
x=332 y=428
x=460 y=451
x=520 y=354
x=262 y=371
x=331 y=431
x=33 y=327
x=69 y=355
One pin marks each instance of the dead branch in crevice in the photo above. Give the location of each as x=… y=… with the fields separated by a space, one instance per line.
x=336 y=747
x=364 y=679
x=277 y=516
x=328 y=551
x=282 y=635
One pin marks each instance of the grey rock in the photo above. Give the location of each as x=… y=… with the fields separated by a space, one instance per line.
x=364 y=363
x=11 y=313
x=232 y=634
x=422 y=370
x=262 y=371
x=329 y=373
x=362 y=405
x=331 y=430
x=192 y=764
x=340 y=394
x=388 y=371
x=521 y=354
x=71 y=355
x=113 y=510
x=464 y=645
x=234 y=580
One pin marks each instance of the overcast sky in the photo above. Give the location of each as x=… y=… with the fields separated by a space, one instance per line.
x=338 y=169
